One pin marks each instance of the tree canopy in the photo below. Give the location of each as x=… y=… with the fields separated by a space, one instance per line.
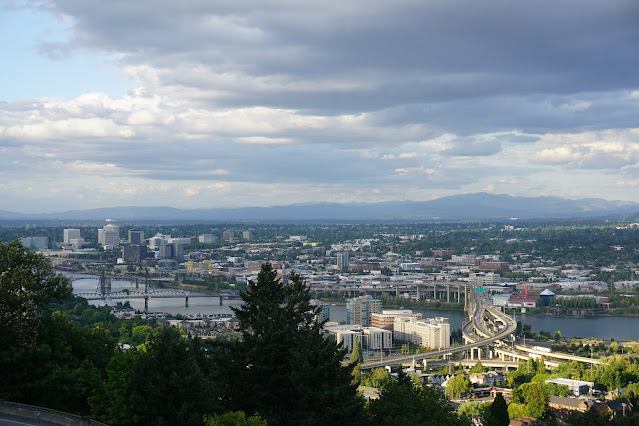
x=403 y=402
x=27 y=285
x=284 y=369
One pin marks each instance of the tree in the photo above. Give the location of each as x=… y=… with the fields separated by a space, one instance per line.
x=45 y=359
x=356 y=361
x=404 y=349
x=402 y=402
x=516 y=409
x=458 y=385
x=541 y=366
x=474 y=410
x=60 y=369
x=534 y=396
x=233 y=418
x=478 y=368
x=378 y=378
x=159 y=383
x=27 y=285
x=284 y=369
x=497 y=413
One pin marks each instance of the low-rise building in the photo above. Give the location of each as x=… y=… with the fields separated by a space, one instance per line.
x=577 y=387
x=486 y=378
x=617 y=408
x=565 y=406
x=517 y=301
x=371 y=338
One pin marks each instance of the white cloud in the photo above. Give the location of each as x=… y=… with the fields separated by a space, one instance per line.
x=309 y=101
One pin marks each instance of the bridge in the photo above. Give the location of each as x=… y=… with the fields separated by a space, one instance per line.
x=486 y=325
x=444 y=291
x=104 y=292
x=486 y=330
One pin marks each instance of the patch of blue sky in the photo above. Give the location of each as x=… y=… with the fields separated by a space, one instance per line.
x=27 y=72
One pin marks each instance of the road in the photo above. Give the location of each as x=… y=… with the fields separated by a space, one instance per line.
x=476 y=341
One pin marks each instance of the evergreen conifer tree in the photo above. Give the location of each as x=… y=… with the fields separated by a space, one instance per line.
x=356 y=360
x=284 y=369
x=497 y=414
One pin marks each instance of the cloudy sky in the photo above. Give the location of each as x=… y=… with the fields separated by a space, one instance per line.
x=200 y=103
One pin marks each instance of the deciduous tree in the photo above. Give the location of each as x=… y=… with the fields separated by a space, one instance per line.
x=27 y=285
x=405 y=403
x=458 y=385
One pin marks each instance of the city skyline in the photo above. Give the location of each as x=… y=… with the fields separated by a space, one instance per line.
x=260 y=104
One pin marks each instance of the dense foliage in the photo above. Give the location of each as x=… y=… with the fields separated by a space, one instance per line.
x=283 y=371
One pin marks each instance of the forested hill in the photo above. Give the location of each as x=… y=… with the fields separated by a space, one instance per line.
x=466 y=206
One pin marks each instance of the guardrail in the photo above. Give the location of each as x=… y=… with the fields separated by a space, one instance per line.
x=32 y=412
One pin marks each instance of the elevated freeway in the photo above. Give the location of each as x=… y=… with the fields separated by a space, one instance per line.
x=557 y=355
x=476 y=333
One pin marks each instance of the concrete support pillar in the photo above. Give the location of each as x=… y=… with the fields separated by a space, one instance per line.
x=221 y=298
x=417 y=287
x=465 y=297
x=186 y=301
x=146 y=304
x=448 y=294
x=396 y=291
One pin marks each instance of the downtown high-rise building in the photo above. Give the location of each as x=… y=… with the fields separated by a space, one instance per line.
x=109 y=236
x=136 y=237
x=342 y=261
x=70 y=234
x=359 y=310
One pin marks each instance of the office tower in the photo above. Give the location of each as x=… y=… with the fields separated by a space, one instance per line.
x=70 y=234
x=136 y=237
x=206 y=239
x=35 y=242
x=342 y=261
x=134 y=253
x=109 y=235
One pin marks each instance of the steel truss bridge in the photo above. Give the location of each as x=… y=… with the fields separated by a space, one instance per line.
x=103 y=292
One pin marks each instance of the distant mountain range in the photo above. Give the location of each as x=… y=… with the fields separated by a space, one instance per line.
x=456 y=207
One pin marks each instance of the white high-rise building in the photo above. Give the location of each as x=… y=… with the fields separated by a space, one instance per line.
x=429 y=332
x=158 y=241
x=71 y=234
x=35 y=242
x=109 y=236
x=206 y=239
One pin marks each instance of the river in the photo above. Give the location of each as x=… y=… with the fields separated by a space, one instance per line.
x=605 y=327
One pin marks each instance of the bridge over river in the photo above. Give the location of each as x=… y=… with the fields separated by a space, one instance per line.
x=488 y=331
x=103 y=292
